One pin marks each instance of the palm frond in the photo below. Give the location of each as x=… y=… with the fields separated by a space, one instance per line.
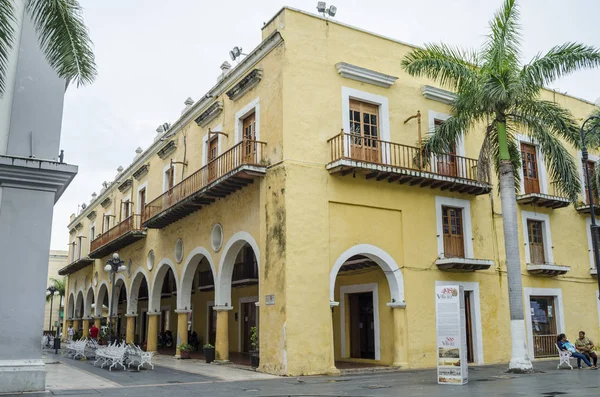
x=444 y=137
x=486 y=156
x=561 y=164
x=451 y=67
x=60 y=285
x=558 y=62
x=502 y=49
x=64 y=38
x=558 y=120
x=7 y=20
x=592 y=131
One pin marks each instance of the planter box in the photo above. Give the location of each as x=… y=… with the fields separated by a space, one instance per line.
x=209 y=355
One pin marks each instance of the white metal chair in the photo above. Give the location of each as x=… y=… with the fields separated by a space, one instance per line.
x=564 y=356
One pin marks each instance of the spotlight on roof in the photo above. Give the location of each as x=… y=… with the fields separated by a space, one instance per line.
x=326 y=11
x=236 y=53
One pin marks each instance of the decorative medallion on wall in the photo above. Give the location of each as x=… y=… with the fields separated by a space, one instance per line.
x=216 y=237
x=150 y=262
x=179 y=250
x=129 y=268
x=95 y=279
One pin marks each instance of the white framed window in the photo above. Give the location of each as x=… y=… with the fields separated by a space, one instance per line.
x=106 y=221
x=125 y=209
x=442 y=203
x=540 y=172
x=169 y=176
x=434 y=116
x=142 y=197
x=557 y=311
x=533 y=223
x=205 y=146
x=252 y=107
x=363 y=96
x=92 y=232
x=591 y=159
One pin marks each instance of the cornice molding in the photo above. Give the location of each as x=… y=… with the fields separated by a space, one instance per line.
x=33 y=174
x=92 y=215
x=245 y=85
x=364 y=75
x=211 y=113
x=143 y=170
x=166 y=150
x=438 y=94
x=126 y=185
x=106 y=202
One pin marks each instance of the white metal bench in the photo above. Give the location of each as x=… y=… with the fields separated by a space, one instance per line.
x=564 y=356
x=112 y=355
x=137 y=355
x=76 y=349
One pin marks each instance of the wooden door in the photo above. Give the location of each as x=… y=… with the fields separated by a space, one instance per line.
x=362 y=325
x=592 y=170
x=530 y=168
x=452 y=225
x=543 y=325
x=364 y=127
x=536 y=242
x=142 y=199
x=446 y=163
x=249 y=138
x=249 y=321
x=469 y=327
x=213 y=152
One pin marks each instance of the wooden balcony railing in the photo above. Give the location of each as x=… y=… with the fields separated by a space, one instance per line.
x=247 y=152
x=543 y=346
x=375 y=151
x=131 y=224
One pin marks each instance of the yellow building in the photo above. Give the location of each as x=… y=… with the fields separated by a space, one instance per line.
x=254 y=209
x=58 y=260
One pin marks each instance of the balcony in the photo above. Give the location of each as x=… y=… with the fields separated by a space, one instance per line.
x=231 y=171
x=394 y=162
x=553 y=199
x=463 y=264
x=547 y=269
x=76 y=265
x=119 y=236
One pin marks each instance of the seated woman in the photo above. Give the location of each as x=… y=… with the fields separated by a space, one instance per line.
x=565 y=345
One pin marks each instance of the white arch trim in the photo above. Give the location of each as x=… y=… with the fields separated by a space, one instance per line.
x=383 y=259
x=87 y=304
x=99 y=302
x=159 y=273
x=183 y=296
x=71 y=306
x=77 y=302
x=119 y=277
x=132 y=301
x=230 y=252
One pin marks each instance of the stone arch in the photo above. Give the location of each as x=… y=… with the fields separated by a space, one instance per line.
x=134 y=290
x=184 y=296
x=159 y=275
x=89 y=301
x=71 y=306
x=382 y=259
x=79 y=305
x=119 y=283
x=102 y=292
x=230 y=252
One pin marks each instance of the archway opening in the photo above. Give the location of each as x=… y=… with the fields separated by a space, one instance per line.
x=163 y=303
x=119 y=310
x=138 y=305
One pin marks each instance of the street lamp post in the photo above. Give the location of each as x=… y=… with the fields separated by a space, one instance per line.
x=588 y=179
x=113 y=266
x=51 y=291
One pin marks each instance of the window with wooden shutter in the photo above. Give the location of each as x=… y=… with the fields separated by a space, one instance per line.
x=364 y=127
x=452 y=225
x=536 y=242
x=531 y=180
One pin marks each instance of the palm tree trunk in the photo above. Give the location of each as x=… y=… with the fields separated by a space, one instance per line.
x=519 y=361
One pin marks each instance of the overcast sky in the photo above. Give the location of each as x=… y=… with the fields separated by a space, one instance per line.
x=153 y=54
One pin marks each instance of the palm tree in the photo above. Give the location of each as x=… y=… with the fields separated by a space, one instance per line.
x=495 y=90
x=62 y=35
x=60 y=287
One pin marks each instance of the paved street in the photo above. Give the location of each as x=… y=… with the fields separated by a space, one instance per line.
x=195 y=378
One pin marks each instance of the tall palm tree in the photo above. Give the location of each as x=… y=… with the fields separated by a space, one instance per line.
x=62 y=35
x=496 y=90
x=60 y=287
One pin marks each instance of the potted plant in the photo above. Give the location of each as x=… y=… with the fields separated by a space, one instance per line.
x=209 y=353
x=254 y=356
x=184 y=350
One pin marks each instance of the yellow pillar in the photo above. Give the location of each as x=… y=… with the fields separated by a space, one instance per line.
x=400 y=335
x=222 y=338
x=76 y=325
x=182 y=329
x=152 y=338
x=86 y=328
x=98 y=322
x=130 y=333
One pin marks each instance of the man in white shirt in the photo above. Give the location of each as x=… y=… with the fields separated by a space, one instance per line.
x=70 y=332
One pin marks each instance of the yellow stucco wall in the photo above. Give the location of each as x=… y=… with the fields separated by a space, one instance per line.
x=302 y=218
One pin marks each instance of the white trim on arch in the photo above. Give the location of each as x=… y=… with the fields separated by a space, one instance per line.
x=219 y=139
x=547 y=236
x=230 y=251
x=154 y=291
x=465 y=205
x=87 y=306
x=245 y=299
x=240 y=115
x=100 y=303
x=183 y=297
x=357 y=288
x=559 y=312
x=383 y=259
x=132 y=304
x=120 y=277
x=476 y=315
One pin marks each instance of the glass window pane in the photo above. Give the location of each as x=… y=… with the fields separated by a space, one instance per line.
x=374 y=119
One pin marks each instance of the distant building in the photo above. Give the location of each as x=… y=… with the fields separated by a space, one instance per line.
x=58 y=260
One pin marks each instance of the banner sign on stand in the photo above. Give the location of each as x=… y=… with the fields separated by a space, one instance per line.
x=451 y=335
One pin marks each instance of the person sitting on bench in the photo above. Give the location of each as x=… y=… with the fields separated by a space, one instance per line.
x=565 y=345
x=585 y=346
